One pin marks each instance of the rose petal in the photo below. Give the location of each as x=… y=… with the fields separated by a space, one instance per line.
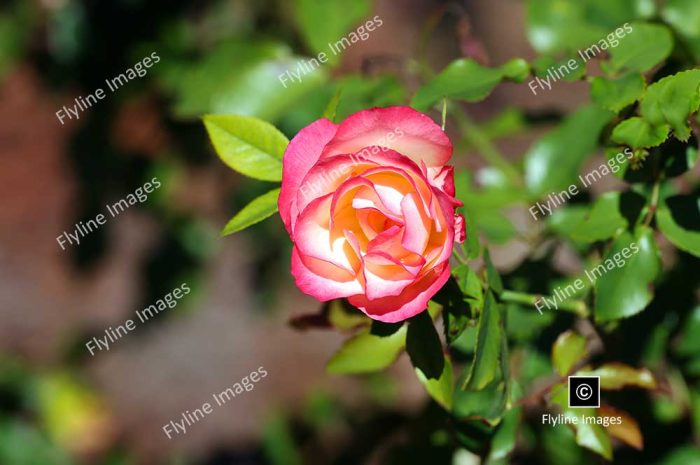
x=413 y=300
x=302 y=153
x=325 y=282
x=402 y=129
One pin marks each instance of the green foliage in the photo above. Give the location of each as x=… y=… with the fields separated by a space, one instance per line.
x=616 y=376
x=603 y=221
x=366 y=353
x=683 y=238
x=589 y=435
x=642 y=49
x=239 y=77
x=619 y=292
x=554 y=161
x=248 y=145
x=567 y=351
x=424 y=347
x=256 y=211
x=326 y=21
x=616 y=94
x=488 y=347
x=465 y=79
x=639 y=133
x=440 y=389
x=494 y=361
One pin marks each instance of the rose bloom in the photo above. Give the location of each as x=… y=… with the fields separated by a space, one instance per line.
x=369 y=204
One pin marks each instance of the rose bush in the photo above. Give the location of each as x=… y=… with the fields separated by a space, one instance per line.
x=370 y=206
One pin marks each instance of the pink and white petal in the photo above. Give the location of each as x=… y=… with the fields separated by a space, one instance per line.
x=417 y=227
x=313 y=237
x=300 y=156
x=322 y=280
x=413 y=300
x=402 y=129
x=443 y=179
x=384 y=278
x=324 y=178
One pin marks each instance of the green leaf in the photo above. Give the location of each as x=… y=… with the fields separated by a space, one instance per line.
x=440 y=389
x=505 y=438
x=683 y=15
x=557 y=25
x=615 y=376
x=589 y=435
x=487 y=404
x=689 y=340
x=645 y=47
x=488 y=346
x=472 y=246
x=248 y=145
x=424 y=347
x=567 y=351
x=604 y=220
x=455 y=310
x=616 y=94
x=639 y=133
x=366 y=353
x=328 y=21
x=672 y=100
x=469 y=285
x=379 y=328
x=516 y=69
x=240 y=77
x=623 y=279
x=492 y=275
x=689 y=210
x=466 y=79
x=681 y=456
x=278 y=442
x=260 y=208
x=553 y=162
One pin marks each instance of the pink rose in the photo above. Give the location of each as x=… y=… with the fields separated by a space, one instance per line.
x=369 y=204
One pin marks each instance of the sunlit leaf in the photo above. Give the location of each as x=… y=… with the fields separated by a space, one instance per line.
x=616 y=94
x=465 y=79
x=553 y=162
x=622 y=280
x=440 y=389
x=567 y=351
x=642 y=49
x=248 y=145
x=260 y=208
x=366 y=353
x=639 y=133
x=488 y=346
x=672 y=100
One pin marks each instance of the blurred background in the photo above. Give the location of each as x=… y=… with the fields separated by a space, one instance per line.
x=61 y=405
